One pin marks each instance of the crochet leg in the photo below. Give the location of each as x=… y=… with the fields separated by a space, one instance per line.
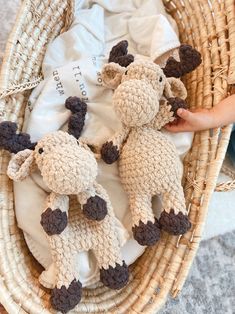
x=55 y=217
x=145 y=228
x=174 y=217
x=113 y=270
x=67 y=293
x=94 y=207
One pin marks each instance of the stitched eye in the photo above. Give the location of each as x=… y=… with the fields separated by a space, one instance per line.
x=160 y=79
x=126 y=72
x=40 y=151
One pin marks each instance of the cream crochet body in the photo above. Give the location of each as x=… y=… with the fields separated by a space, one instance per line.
x=149 y=165
x=82 y=234
x=145 y=100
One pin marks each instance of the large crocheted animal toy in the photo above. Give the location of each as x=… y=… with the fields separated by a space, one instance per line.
x=68 y=167
x=145 y=99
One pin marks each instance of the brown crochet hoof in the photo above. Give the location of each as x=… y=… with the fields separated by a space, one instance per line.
x=63 y=299
x=54 y=221
x=174 y=224
x=146 y=234
x=95 y=208
x=109 y=152
x=176 y=103
x=115 y=277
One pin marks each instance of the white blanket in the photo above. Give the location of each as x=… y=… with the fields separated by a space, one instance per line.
x=71 y=67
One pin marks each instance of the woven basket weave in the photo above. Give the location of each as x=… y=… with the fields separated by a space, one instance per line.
x=208 y=26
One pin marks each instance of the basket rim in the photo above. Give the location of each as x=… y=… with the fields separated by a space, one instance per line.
x=174 y=251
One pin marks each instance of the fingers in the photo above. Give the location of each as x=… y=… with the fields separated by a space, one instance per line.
x=191 y=121
x=185 y=114
x=183 y=123
x=174 y=127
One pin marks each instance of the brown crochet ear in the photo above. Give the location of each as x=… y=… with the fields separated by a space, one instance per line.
x=12 y=141
x=119 y=54
x=190 y=59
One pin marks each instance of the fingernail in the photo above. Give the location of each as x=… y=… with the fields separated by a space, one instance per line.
x=180 y=110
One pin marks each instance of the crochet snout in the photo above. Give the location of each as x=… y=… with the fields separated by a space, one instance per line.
x=136 y=102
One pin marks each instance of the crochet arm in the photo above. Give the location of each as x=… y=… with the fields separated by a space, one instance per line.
x=94 y=205
x=167 y=111
x=54 y=219
x=111 y=149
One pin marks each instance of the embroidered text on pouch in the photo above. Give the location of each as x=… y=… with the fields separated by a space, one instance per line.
x=59 y=85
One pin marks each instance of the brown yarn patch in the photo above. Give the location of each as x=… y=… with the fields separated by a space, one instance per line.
x=119 y=54
x=54 y=221
x=109 y=152
x=190 y=59
x=75 y=105
x=11 y=141
x=124 y=61
x=176 y=103
x=63 y=299
x=115 y=277
x=174 y=224
x=95 y=208
x=77 y=119
x=147 y=234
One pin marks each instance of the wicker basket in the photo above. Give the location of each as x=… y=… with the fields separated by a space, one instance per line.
x=208 y=26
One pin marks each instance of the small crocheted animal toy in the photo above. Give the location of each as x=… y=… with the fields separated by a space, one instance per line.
x=145 y=100
x=68 y=167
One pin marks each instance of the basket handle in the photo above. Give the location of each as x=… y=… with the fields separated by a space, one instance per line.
x=33 y=82
x=225 y=186
x=20 y=87
x=229 y=185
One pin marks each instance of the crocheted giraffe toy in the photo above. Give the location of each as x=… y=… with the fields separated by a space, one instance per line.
x=68 y=167
x=145 y=99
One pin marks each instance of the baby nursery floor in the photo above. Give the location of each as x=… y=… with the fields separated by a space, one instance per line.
x=210 y=287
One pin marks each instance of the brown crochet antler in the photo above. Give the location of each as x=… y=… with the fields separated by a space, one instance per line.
x=77 y=119
x=16 y=142
x=12 y=141
x=190 y=59
x=119 y=54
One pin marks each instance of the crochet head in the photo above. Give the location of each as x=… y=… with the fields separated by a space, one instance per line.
x=67 y=166
x=136 y=99
x=139 y=88
x=139 y=84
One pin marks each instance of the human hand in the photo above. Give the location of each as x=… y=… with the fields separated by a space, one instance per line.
x=194 y=120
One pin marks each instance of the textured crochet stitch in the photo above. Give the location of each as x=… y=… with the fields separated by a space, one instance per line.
x=145 y=99
x=68 y=167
